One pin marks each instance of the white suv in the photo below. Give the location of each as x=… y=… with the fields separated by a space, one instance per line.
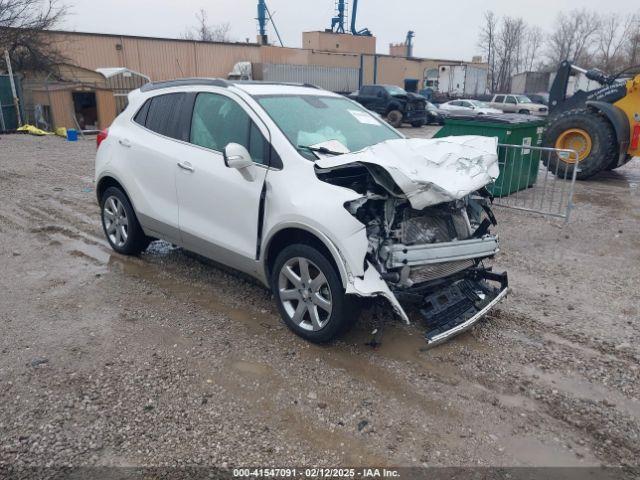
x=308 y=192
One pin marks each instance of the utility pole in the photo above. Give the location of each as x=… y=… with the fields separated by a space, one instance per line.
x=16 y=101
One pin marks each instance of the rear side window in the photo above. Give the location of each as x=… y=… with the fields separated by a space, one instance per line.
x=141 y=116
x=166 y=116
x=499 y=99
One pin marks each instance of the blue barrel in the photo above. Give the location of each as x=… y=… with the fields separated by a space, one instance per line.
x=72 y=135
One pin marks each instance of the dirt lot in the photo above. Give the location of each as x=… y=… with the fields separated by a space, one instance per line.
x=167 y=360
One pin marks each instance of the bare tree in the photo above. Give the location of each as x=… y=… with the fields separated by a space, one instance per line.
x=613 y=35
x=487 y=44
x=208 y=33
x=532 y=45
x=508 y=51
x=632 y=47
x=573 y=37
x=21 y=25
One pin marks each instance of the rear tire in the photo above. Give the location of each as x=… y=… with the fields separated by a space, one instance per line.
x=603 y=150
x=418 y=124
x=394 y=117
x=120 y=224
x=309 y=294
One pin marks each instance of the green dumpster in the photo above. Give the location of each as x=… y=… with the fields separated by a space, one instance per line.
x=518 y=167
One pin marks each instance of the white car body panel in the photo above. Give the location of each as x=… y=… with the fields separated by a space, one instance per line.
x=430 y=171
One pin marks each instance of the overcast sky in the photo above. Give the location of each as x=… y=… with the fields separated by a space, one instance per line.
x=444 y=29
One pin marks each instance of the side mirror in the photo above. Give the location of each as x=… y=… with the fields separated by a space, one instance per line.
x=236 y=156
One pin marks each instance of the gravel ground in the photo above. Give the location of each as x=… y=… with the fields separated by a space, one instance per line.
x=169 y=360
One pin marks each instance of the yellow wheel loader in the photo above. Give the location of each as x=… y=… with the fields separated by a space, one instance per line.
x=601 y=125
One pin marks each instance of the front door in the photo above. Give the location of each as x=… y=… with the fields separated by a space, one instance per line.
x=218 y=205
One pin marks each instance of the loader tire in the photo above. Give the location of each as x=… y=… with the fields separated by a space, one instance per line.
x=614 y=164
x=587 y=132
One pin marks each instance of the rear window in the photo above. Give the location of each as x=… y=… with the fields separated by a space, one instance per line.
x=166 y=116
x=141 y=116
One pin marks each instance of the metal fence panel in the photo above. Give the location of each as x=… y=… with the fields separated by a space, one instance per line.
x=551 y=193
x=335 y=79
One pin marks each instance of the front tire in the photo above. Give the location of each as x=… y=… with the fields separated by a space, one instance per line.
x=120 y=224
x=309 y=294
x=394 y=117
x=589 y=134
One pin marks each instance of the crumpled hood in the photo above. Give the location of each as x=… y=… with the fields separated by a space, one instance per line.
x=426 y=172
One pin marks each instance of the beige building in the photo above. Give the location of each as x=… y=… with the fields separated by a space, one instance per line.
x=163 y=59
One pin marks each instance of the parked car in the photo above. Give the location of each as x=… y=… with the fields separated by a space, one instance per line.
x=539 y=98
x=468 y=107
x=518 y=104
x=393 y=103
x=435 y=115
x=311 y=194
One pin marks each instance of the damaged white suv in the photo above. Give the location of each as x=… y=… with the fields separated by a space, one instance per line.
x=311 y=194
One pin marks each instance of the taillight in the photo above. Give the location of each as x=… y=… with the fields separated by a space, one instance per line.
x=102 y=135
x=635 y=138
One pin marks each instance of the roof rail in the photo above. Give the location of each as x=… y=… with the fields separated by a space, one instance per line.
x=266 y=82
x=184 y=82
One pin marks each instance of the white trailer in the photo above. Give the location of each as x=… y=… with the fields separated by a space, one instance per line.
x=462 y=80
x=335 y=79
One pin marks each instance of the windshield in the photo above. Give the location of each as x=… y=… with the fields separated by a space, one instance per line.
x=393 y=90
x=523 y=99
x=308 y=120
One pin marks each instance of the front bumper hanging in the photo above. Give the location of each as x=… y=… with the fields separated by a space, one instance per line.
x=451 y=310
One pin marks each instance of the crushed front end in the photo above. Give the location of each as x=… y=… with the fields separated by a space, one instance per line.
x=433 y=258
x=428 y=244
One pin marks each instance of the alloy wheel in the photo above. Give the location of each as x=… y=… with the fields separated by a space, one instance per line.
x=116 y=223
x=304 y=292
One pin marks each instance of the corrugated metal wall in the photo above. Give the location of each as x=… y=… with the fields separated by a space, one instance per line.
x=163 y=59
x=160 y=59
x=336 y=79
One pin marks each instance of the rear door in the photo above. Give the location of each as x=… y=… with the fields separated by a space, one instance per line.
x=498 y=102
x=510 y=104
x=152 y=151
x=220 y=206
x=367 y=97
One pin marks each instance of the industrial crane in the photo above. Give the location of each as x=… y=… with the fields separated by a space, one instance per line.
x=337 y=22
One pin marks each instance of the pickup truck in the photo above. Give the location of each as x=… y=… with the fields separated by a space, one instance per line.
x=518 y=104
x=393 y=103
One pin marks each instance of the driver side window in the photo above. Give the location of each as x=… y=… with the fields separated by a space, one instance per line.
x=218 y=120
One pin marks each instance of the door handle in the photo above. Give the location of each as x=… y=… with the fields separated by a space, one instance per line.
x=186 y=166
x=124 y=142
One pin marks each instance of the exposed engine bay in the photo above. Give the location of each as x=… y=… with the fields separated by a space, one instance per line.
x=431 y=257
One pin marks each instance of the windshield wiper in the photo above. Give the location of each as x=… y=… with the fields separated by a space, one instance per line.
x=323 y=150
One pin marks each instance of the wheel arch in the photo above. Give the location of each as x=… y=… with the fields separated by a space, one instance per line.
x=109 y=180
x=618 y=119
x=296 y=233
